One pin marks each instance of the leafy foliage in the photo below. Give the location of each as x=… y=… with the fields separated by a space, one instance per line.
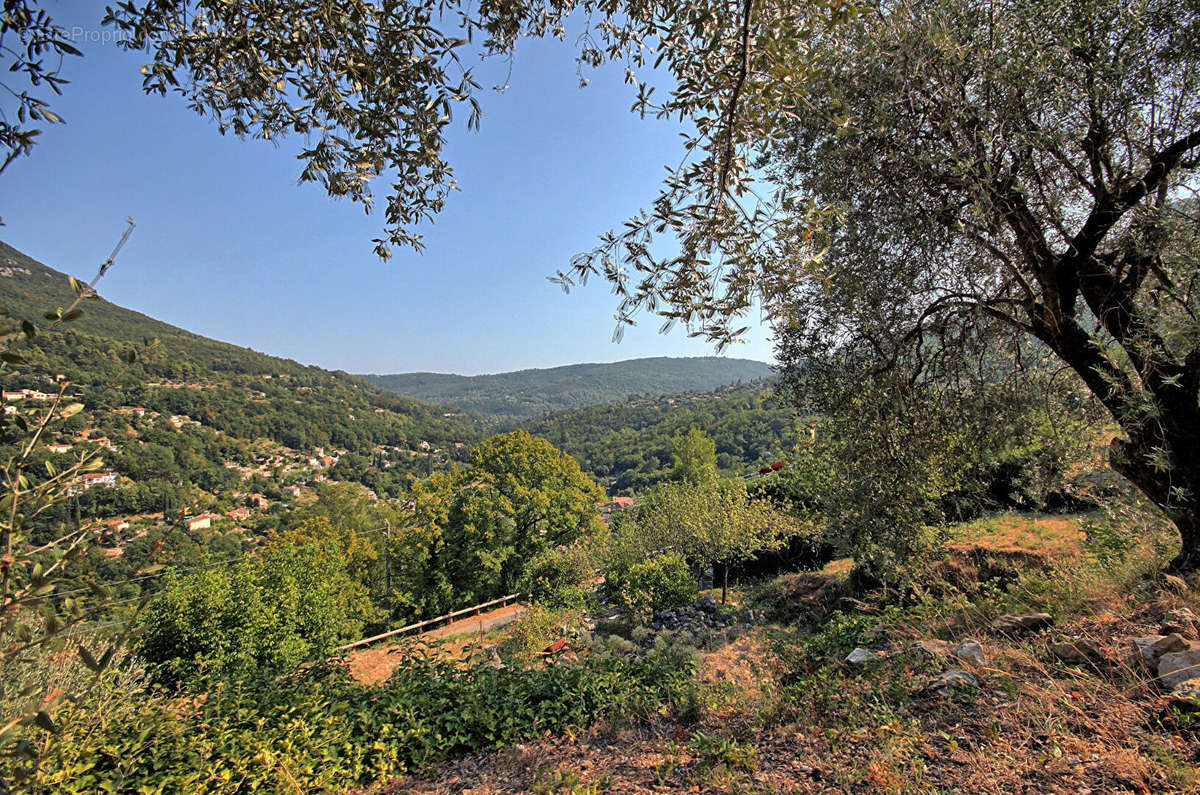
x=712 y=523
x=1071 y=230
x=663 y=582
x=263 y=617
x=560 y=577
x=895 y=457
x=37 y=36
x=630 y=446
x=319 y=729
x=695 y=458
x=37 y=614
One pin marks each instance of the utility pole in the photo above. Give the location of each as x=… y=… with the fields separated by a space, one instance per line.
x=387 y=570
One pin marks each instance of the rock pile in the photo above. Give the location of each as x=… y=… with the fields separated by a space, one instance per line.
x=1182 y=622
x=704 y=616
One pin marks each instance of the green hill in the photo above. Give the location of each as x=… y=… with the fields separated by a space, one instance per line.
x=231 y=392
x=531 y=393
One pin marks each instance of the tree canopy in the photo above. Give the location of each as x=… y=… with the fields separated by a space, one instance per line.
x=695 y=458
x=1019 y=172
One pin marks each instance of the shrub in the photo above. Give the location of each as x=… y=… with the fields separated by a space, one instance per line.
x=319 y=730
x=557 y=578
x=539 y=627
x=661 y=583
x=265 y=617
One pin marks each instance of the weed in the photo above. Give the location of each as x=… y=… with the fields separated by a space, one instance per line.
x=565 y=781
x=724 y=751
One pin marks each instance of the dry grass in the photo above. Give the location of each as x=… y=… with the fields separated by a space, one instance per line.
x=1056 y=538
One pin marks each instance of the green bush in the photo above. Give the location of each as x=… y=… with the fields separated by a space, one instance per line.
x=557 y=578
x=660 y=583
x=319 y=730
x=540 y=626
x=266 y=616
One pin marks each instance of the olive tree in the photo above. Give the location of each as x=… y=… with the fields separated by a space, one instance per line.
x=935 y=172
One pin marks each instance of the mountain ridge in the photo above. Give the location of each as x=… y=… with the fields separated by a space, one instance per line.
x=533 y=392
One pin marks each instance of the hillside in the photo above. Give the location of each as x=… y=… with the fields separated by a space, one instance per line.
x=627 y=445
x=530 y=393
x=213 y=389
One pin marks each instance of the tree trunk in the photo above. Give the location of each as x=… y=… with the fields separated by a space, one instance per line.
x=1161 y=456
x=1176 y=489
x=1188 y=559
x=724 y=581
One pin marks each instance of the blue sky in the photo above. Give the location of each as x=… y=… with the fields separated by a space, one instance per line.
x=230 y=246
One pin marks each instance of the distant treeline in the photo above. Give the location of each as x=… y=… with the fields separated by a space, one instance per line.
x=628 y=445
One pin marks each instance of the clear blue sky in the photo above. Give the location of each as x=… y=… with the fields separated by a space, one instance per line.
x=230 y=246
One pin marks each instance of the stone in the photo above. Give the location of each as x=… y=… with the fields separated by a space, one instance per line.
x=1078 y=652
x=860 y=658
x=951 y=682
x=1176 y=585
x=1151 y=648
x=970 y=651
x=1177 y=667
x=1181 y=622
x=1186 y=695
x=935 y=649
x=1016 y=625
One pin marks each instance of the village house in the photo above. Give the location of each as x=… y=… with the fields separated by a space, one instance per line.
x=90 y=480
x=613 y=506
x=25 y=394
x=58 y=447
x=200 y=521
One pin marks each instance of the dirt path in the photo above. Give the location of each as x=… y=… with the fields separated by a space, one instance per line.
x=374 y=664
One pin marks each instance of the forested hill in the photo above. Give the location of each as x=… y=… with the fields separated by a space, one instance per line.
x=627 y=446
x=224 y=388
x=530 y=393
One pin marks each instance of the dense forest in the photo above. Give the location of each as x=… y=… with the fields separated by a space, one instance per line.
x=531 y=393
x=628 y=445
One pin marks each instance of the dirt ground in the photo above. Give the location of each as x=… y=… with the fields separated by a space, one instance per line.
x=374 y=664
